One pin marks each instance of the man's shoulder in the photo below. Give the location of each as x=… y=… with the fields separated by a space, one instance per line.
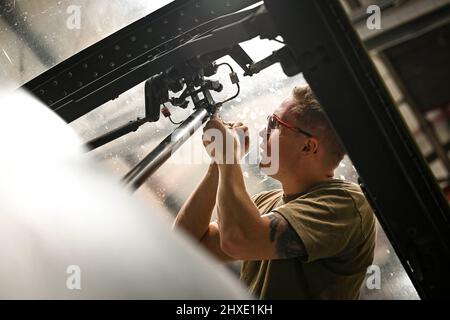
x=343 y=195
x=335 y=184
x=336 y=187
x=267 y=196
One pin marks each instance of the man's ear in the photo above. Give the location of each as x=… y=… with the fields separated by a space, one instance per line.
x=311 y=145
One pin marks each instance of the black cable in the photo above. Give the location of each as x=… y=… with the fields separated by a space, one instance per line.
x=237 y=83
x=237 y=93
x=170 y=118
x=275 y=39
x=226 y=64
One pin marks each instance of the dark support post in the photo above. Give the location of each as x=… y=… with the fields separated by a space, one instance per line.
x=115 y=134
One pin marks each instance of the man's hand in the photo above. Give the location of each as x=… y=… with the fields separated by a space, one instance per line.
x=226 y=143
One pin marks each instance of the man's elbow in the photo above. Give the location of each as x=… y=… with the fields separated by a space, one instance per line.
x=235 y=245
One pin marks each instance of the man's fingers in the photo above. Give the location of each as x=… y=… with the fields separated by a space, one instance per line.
x=213 y=123
x=243 y=134
x=241 y=128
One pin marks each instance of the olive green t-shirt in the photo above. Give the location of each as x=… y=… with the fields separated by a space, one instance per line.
x=337 y=227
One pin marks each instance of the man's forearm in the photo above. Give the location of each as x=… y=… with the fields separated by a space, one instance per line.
x=239 y=217
x=195 y=215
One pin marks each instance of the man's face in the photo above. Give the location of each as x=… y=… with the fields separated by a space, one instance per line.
x=280 y=149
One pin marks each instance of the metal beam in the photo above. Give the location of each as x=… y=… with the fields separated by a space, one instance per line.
x=130 y=56
x=410 y=29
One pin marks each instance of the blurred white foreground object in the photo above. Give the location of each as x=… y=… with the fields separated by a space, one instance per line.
x=68 y=231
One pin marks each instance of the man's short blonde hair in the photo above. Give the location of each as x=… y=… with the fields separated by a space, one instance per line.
x=310 y=116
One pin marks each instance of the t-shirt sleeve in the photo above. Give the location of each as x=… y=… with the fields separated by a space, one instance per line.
x=326 y=224
x=257 y=197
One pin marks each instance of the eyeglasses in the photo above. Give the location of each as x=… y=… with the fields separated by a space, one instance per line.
x=274 y=122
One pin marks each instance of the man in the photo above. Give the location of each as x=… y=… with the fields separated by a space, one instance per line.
x=315 y=238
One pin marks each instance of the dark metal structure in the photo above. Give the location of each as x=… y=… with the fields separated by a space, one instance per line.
x=320 y=43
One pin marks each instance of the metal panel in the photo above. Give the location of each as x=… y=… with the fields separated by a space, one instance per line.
x=121 y=61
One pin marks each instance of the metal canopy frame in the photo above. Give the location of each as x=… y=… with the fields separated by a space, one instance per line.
x=130 y=56
x=394 y=175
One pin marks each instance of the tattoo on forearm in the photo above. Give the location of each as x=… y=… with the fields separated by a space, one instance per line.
x=274 y=222
x=288 y=243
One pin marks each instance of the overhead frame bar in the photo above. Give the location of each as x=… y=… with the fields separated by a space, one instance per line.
x=128 y=57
